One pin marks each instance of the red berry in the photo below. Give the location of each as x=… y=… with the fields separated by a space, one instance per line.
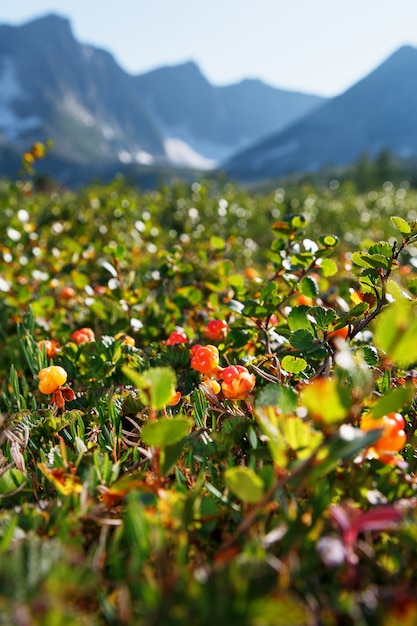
x=216 y=330
x=177 y=336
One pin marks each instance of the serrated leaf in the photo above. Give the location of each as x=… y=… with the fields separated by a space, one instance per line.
x=297 y=318
x=323 y=317
x=302 y=339
x=309 y=287
x=382 y=247
x=392 y=401
x=166 y=432
x=293 y=364
x=244 y=483
x=375 y=261
x=401 y=224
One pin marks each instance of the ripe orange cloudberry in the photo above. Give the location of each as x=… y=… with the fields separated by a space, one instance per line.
x=50 y=378
x=205 y=359
x=83 y=335
x=237 y=382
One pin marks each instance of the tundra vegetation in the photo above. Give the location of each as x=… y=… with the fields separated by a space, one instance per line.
x=208 y=405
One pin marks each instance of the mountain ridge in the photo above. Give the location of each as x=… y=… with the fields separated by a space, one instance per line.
x=378 y=112
x=52 y=86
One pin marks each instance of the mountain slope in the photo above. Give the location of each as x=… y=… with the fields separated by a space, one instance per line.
x=378 y=112
x=217 y=121
x=77 y=95
x=52 y=86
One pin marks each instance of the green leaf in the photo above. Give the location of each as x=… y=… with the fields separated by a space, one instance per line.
x=375 y=261
x=382 y=247
x=217 y=243
x=155 y=385
x=166 y=432
x=10 y=480
x=300 y=435
x=393 y=401
x=396 y=333
x=285 y=398
x=309 y=287
x=244 y=483
x=297 y=318
x=293 y=364
x=401 y=224
x=329 y=241
x=328 y=267
x=302 y=339
x=323 y=317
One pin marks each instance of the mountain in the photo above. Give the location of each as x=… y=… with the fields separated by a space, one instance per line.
x=52 y=86
x=379 y=112
x=101 y=117
x=216 y=121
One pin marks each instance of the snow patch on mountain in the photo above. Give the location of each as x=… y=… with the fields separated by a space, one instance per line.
x=181 y=153
x=11 y=125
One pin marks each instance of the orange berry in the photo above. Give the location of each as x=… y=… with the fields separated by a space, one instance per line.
x=393 y=437
x=304 y=300
x=342 y=333
x=205 y=359
x=50 y=347
x=83 y=335
x=237 y=382
x=67 y=293
x=50 y=378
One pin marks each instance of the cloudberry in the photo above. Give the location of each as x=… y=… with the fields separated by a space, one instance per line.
x=237 y=382
x=177 y=336
x=205 y=359
x=50 y=378
x=83 y=335
x=216 y=330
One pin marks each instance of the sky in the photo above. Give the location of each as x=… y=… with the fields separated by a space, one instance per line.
x=312 y=46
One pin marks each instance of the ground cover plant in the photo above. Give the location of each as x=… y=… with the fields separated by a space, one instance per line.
x=208 y=405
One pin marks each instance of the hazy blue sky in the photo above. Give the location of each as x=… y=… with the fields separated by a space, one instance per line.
x=320 y=46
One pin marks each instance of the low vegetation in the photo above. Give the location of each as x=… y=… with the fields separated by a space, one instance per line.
x=208 y=405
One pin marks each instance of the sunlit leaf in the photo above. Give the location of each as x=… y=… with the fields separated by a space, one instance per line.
x=396 y=333
x=166 y=432
x=326 y=400
x=401 y=224
x=244 y=483
x=293 y=364
x=155 y=385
